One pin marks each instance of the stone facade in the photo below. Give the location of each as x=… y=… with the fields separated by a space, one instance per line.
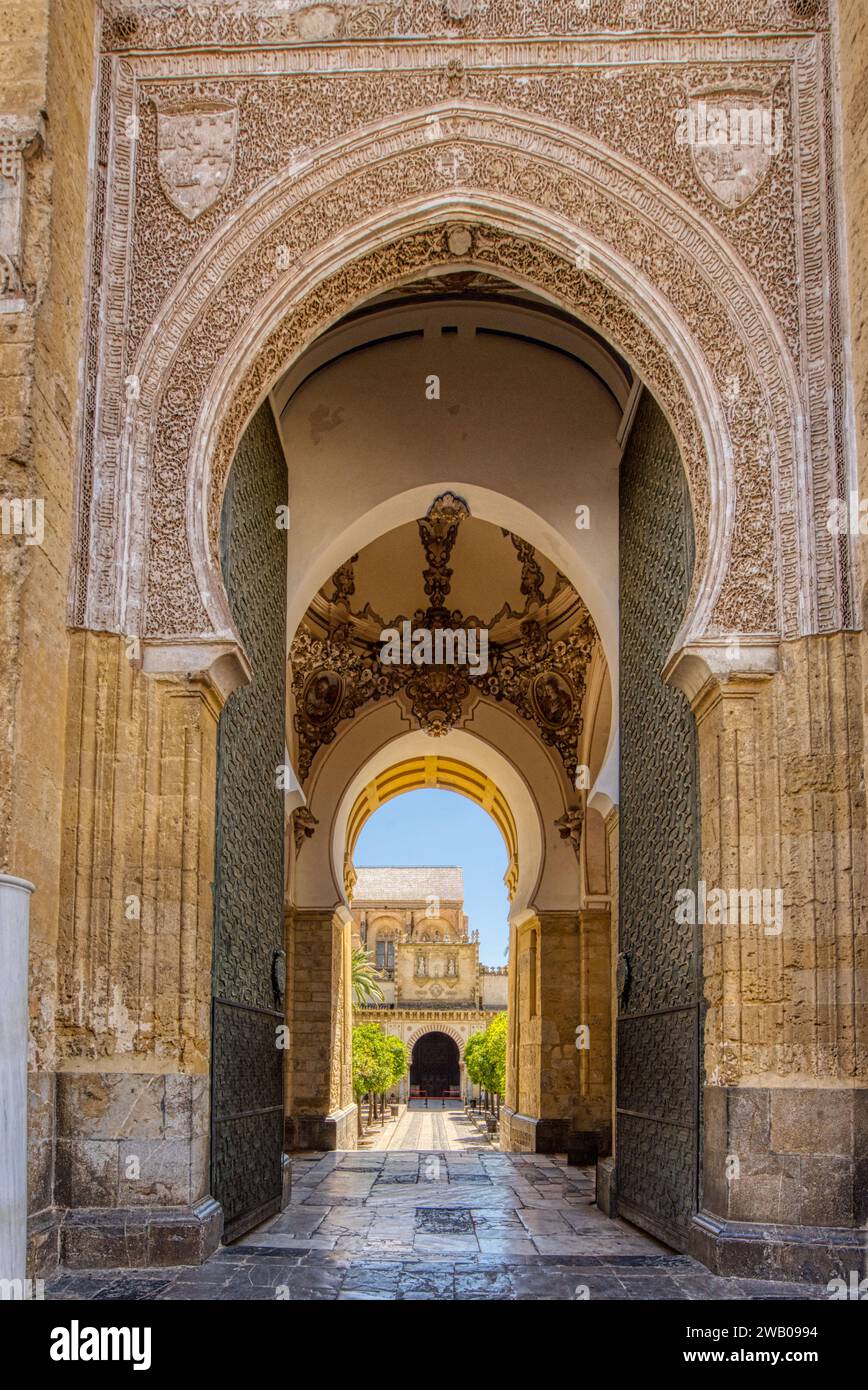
x=714 y=303
x=782 y=791
x=413 y=925
x=132 y=1014
x=45 y=66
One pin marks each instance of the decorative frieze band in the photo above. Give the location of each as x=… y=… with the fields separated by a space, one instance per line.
x=176 y=25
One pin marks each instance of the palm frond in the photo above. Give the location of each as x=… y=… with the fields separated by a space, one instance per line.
x=366 y=986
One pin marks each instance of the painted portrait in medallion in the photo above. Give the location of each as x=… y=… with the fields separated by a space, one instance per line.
x=322 y=695
x=553 y=699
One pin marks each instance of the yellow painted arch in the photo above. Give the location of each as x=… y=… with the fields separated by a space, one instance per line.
x=449 y=775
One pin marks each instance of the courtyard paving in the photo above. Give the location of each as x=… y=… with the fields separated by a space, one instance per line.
x=434 y=1212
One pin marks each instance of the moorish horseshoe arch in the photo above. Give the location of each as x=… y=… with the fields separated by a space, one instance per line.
x=513 y=222
x=633 y=65
x=188 y=405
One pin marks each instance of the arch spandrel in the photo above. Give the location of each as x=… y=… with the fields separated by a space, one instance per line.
x=696 y=322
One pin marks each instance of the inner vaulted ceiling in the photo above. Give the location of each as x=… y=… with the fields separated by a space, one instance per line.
x=520 y=390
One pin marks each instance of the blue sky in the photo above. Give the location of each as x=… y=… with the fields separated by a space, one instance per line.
x=438 y=827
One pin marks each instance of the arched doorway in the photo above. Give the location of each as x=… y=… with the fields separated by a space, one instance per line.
x=435 y=1066
x=510 y=737
x=450 y=191
x=515 y=731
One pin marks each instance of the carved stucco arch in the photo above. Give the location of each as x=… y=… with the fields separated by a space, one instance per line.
x=372 y=210
x=450 y=1032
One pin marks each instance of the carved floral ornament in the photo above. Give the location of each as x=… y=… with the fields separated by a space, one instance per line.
x=703 y=299
x=217 y=22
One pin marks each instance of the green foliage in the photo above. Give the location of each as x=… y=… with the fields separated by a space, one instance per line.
x=495 y=1051
x=378 y=1061
x=485 y=1056
x=474 y=1050
x=366 y=986
x=400 y=1055
x=372 y=1060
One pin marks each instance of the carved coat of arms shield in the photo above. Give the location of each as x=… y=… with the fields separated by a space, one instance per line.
x=734 y=136
x=196 y=152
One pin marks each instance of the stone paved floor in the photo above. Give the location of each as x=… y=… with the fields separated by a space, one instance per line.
x=452 y=1218
x=439 y=1125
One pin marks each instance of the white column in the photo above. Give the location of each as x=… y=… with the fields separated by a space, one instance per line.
x=14 y=931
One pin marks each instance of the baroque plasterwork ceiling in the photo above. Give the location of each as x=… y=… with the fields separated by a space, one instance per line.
x=537 y=653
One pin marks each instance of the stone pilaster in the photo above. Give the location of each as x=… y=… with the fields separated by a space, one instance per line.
x=514 y=1034
x=320 y=1111
x=785 y=1101
x=558 y=1095
x=593 y=1113
x=134 y=964
x=519 y=1123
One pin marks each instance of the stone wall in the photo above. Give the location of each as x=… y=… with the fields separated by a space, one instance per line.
x=134 y=963
x=781 y=910
x=494 y=985
x=46 y=87
x=44 y=67
x=853 y=59
x=784 y=808
x=786 y=1031
x=559 y=1068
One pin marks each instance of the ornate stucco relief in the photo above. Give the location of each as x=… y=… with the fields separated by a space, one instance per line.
x=326 y=138
x=170 y=25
